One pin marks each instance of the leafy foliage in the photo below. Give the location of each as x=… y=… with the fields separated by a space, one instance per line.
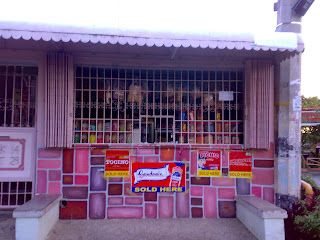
x=304 y=218
x=309 y=223
x=310 y=135
x=310 y=102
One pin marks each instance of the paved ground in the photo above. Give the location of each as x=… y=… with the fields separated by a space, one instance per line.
x=7 y=229
x=173 y=229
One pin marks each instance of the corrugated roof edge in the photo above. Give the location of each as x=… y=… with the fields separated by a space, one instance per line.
x=274 y=41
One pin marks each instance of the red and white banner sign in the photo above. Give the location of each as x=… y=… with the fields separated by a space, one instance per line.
x=117 y=163
x=158 y=177
x=240 y=164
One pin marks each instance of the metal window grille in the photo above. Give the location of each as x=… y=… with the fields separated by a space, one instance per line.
x=17 y=95
x=115 y=105
x=13 y=194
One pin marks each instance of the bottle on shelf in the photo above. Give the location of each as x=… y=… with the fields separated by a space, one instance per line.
x=211 y=139
x=192 y=139
x=85 y=125
x=191 y=115
x=76 y=138
x=184 y=127
x=77 y=125
x=100 y=137
x=114 y=138
x=93 y=138
x=92 y=126
x=235 y=140
x=107 y=137
x=100 y=125
x=84 y=138
x=226 y=127
x=218 y=116
x=219 y=127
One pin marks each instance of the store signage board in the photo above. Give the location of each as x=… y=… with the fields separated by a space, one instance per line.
x=209 y=163
x=240 y=164
x=117 y=163
x=225 y=96
x=158 y=177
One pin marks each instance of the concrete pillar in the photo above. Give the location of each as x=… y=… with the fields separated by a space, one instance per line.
x=287 y=19
x=288 y=147
x=288 y=114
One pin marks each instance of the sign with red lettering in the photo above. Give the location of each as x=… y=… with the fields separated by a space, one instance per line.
x=117 y=163
x=240 y=164
x=158 y=177
x=209 y=163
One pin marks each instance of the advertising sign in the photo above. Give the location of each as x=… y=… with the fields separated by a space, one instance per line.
x=209 y=163
x=240 y=164
x=158 y=177
x=117 y=163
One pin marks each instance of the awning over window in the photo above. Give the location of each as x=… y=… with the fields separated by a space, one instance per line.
x=274 y=41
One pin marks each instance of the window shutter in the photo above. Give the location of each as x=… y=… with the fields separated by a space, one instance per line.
x=259 y=99
x=58 y=100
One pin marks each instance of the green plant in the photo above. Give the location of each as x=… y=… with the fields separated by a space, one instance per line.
x=303 y=220
x=308 y=224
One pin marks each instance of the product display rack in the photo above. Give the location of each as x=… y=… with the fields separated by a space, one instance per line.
x=114 y=105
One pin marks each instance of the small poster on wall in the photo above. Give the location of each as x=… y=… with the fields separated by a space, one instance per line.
x=158 y=177
x=240 y=164
x=117 y=163
x=11 y=154
x=209 y=163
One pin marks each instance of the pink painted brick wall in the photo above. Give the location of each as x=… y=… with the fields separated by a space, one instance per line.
x=82 y=160
x=50 y=164
x=125 y=212
x=263 y=176
x=207 y=199
x=151 y=210
x=166 y=207
x=41 y=181
x=210 y=202
x=226 y=193
x=49 y=153
x=54 y=188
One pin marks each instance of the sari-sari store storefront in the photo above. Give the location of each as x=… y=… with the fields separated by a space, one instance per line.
x=140 y=125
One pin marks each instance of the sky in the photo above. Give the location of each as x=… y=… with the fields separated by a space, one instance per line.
x=186 y=16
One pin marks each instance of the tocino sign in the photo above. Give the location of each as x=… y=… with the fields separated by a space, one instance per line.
x=117 y=163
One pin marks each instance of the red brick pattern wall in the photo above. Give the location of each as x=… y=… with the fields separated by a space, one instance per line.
x=78 y=175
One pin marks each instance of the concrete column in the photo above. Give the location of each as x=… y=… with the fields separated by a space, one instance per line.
x=288 y=147
x=288 y=114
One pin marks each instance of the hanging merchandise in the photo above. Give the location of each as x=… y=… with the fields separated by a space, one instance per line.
x=134 y=94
